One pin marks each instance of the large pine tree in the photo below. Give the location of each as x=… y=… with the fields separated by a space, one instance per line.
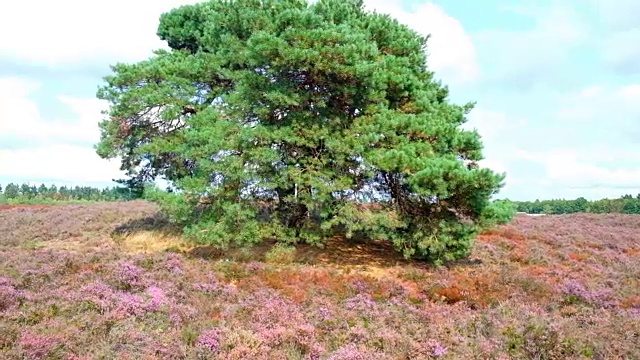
x=279 y=119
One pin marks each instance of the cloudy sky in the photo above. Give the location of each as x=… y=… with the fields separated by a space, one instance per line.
x=557 y=85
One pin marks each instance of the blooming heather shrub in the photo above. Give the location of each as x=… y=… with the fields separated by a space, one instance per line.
x=274 y=335
x=129 y=276
x=321 y=311
x=9 y=297
x=157 y=298
x=360 y=286
x=211 y=286
x=358 y=334
x=174 y=263
x=181 y=314
x=361 y=303
x=97 y=293
x=435 y=348
x=209 y=340
x=35 y=346
x=130 y=304
x=574 y=291
x=349 y=352
x=325 y=313
x=9 y=335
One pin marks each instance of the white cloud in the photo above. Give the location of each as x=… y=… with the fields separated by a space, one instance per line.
x=630 y=93
x=572 y=168
x=593 y=147
x=591 y=92
x=602 y=104
x=619 y=52
x=20 y=115
x=70 y=32
x=618 y=15
x=493 y=125
x=497 y=130
x=57 y=162
x=54 y=158
x=451 y=51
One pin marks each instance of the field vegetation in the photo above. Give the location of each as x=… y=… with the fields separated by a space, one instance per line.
x=116 y=281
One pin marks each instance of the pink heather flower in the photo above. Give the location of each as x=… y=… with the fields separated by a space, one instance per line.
x=97 y=293
x=131 y=304
x=360 y=286
x=207 y=288
x=157 y=298
x=37 y=346
x=129 y=274
x=209 y=340
x=437 y=349
x=179 y=313
x=173 y=263
x=77 y=357
x=274 y=335
x=9 y=297
x=599 y=298
x=360 y=302
x=210 y=286
x=349 y=352
x=315 y=351
x=325 y=314
x=358 y=334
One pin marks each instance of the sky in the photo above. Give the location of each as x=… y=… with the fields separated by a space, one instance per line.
x=556 y=86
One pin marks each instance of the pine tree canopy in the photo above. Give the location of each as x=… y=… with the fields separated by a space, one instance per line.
x=295 y=121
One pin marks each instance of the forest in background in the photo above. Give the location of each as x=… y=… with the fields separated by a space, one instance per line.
x=626 y=204
x=28 y=193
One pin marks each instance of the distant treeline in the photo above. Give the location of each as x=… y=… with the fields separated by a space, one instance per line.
x=31 y=193
x=626 y=204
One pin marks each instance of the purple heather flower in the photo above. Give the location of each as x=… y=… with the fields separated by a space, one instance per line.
x=37 y=346
x=206 y=287
x=348 y=352
x=360 y=285
x=9 y=297
x=437 y=349
x=131 y=304
x=173 y=263
x=325 y=314
x=209 y=340
x=360 y=302
x=157 y=298
x=601 y=298
x=129 y=273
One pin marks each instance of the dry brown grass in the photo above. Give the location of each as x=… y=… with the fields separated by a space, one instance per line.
x=148 y=241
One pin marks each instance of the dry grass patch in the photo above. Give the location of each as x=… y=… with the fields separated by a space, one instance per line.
x=149 y=241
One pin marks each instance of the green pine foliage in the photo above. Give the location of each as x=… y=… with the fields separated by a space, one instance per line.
x=280 y=119
x=30 y=194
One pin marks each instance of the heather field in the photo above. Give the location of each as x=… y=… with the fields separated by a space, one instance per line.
x=114 y=281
